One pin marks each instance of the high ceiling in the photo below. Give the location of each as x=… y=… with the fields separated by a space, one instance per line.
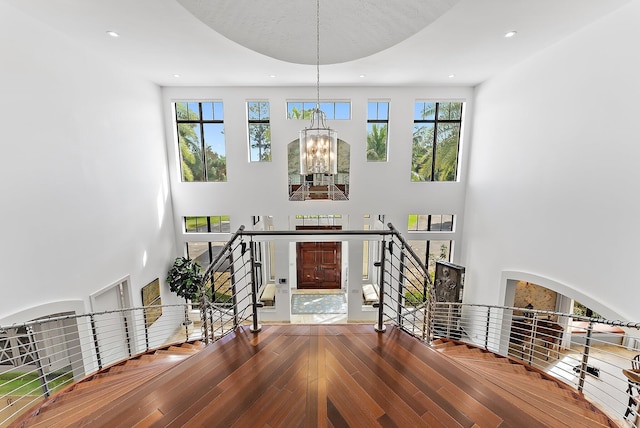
x=273 y=42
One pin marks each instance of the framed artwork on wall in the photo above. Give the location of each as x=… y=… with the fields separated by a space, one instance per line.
x=151 y=297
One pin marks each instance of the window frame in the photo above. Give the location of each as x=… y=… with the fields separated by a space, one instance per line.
x=266 y=122
x=375 y=121
x=203 y=144
x=435 y=121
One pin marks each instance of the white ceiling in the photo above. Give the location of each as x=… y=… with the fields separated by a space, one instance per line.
x=389 y=42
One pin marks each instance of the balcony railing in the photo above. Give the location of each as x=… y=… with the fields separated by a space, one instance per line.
x=38 y=357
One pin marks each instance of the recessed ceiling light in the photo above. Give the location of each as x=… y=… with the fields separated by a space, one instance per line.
x=510 y=34
x=272 y=76
x=176 y=75
x=363 y=75
x=451 y=76
x=113 y=33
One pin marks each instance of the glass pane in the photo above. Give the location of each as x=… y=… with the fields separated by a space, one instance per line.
x=329 y=110
x=372 y=111
x=193 y=111
x=215 y=156
x=412 y=222
x=215 y=223
x=207 y=111
x=377 y=141
x=199 y=251
x=343 y=111
x=259 y=142
x=414 y=278
x=447 y=151
x=424 y=111
x=442 y=222
x=422 y=152
x=295 y=110
x=195 y=224
x=181 y=111
x=190 y=152
x=308 y=109
x=218 y=113
x=438 y=250
x=383 y=111
x=258 y=110
x=449 y=111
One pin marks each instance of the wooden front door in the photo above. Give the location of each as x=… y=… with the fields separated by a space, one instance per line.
x=319 y=264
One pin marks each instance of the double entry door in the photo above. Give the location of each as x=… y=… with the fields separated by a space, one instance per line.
x=319 y=264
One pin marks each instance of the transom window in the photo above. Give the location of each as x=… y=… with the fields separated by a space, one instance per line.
x=436 y=139
x=201 y=144
x=334 y=110
x=210 y=224
x=377 y=130
x=430 y=222
x=259 y=131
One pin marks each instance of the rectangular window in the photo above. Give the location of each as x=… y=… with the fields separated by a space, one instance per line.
x=211 y=224
x=204 y=252
x=334 y=110
x=430 y=223
x=430 y=252
x=319 y=220
x=365 y=256
x=436 y=139
x=377 y=131
x=259 y=131
x=200 y=127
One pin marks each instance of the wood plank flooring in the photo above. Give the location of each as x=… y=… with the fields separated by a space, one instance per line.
x=334 y=376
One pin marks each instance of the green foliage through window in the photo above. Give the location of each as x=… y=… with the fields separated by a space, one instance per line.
x=201 y=141
x=430 y=222
x=216 y=223
x=436 y=139
x=377 y=130
x=334 y=110
x=259 y=131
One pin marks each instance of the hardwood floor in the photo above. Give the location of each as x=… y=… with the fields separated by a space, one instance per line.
x=336 y=376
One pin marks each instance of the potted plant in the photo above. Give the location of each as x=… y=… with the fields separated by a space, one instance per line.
x=184 y=278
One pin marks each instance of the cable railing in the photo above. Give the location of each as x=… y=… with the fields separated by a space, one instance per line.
x=39 y=357
x=600 y=358
x=229 y=297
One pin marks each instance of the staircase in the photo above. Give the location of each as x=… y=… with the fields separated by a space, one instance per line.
x=69 y=406
x=526 y=387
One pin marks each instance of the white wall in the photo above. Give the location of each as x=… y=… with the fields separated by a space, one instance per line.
x=262 y=189
x=83 y=172
x=553 y=180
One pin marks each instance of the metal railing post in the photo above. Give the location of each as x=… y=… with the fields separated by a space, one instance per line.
x=585 y=357
x=203 y=313
x=486 y=332
x=36 y=357
x=380 y=327
x=255 y=327
x=96 y=345
x=401 y=276
x=186 y=321
x=532 y=339
x=234 y=291
x=146 y=329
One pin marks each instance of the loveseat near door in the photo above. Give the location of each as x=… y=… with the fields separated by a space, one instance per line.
x=319 y=264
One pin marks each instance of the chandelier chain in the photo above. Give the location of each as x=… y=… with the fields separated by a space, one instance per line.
x=318 y=53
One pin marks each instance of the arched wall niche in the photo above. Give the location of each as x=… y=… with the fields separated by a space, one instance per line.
x=341 y=179
x=566 y=293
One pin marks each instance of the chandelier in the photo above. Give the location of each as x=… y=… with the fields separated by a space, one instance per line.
x=318 y=142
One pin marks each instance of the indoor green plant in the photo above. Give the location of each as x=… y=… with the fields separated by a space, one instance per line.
x=185 y=278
